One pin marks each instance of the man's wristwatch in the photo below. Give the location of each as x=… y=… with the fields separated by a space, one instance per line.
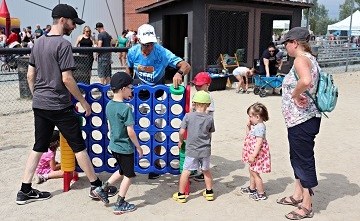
x=180 y=72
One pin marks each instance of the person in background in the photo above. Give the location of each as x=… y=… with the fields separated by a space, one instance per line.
x=86 y=40
x=103 y=58
x=130 y=35
x=38 y=32
x=3 y=38
x=242 y=74
x=27 y=38
x=47 y=29
x=268 y=62
x=123 y=42
x=302 y=119
x=12 y=37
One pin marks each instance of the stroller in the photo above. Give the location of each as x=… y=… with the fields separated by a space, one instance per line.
x=9 y=61
x=261 y=83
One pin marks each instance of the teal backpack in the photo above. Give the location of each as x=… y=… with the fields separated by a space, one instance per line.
x=326 y=93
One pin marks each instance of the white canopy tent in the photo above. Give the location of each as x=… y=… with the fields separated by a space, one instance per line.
x=344 y=25
x=281 y=24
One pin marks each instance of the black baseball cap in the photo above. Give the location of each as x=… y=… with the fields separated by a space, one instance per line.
x=297 y=33
x=120 y=80
x=99 y=25
x=66 y=11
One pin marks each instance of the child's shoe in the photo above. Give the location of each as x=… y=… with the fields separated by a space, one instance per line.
x=112 y=191
x=123 y=207
x=208 y=196
x=247 y=190
x=180 y=199
x=199 y=178
x=101 y=194
x=39 y=179
x=257 y=196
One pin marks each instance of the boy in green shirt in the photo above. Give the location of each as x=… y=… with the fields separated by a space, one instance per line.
x=122 y=141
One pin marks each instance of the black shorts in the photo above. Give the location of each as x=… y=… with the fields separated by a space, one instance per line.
x=126 y=163
x=66 y=120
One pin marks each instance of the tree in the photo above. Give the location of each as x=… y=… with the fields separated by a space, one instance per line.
x=345 y=9
x=318 y=18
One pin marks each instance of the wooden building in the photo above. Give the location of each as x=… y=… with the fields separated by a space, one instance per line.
x=220 y=27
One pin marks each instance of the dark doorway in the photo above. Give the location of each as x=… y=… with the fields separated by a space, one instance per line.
x=174 y=32
x=266 y=30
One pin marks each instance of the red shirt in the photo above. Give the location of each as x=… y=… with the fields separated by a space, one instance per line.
x=12 y=37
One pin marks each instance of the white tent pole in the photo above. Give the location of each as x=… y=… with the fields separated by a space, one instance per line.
x=349 y=36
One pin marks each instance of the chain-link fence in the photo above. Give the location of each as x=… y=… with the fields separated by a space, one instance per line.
x=15 y=95
x=224 y=36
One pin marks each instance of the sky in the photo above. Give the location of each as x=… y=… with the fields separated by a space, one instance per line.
x=30 y=14
x=332 y=6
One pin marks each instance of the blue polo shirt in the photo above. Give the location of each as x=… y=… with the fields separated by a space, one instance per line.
x=151 y=69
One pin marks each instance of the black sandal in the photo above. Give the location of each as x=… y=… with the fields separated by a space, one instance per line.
x=292 y=202
x=297 y=216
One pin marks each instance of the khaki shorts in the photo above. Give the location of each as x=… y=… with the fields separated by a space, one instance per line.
x=192 y=163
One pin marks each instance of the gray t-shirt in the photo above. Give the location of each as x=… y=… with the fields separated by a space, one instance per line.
x=51 y=55
x=106 y=42
x=259 y=130
x=199 y=128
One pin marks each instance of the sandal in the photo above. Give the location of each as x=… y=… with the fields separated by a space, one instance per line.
x=292 y=202
x=297 y=216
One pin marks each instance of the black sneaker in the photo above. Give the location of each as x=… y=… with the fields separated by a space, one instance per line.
x=111 y=192
x=34 y=195
x=153 y=176
x=199 y=178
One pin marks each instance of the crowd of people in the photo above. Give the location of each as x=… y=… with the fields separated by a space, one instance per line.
x=54 y=108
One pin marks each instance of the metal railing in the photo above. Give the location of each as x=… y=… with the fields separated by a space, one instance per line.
x=334 y=56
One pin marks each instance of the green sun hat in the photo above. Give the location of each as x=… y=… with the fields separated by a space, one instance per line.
x=202 y=97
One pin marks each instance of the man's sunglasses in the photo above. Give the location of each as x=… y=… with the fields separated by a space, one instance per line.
x=147 y=45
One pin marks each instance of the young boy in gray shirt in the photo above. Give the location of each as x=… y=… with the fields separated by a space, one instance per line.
x=199 y=126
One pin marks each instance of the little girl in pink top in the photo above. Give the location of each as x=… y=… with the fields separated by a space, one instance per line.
x=48 y=168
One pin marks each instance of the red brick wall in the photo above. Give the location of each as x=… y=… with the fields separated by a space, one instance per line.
x=133 y=20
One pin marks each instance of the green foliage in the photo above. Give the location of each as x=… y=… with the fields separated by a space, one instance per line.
x=318 y=18
x=345 y=9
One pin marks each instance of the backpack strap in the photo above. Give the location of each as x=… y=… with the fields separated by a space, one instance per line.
x=308 y=93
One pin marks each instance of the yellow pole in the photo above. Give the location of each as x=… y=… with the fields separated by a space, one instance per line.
x=67 y=156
